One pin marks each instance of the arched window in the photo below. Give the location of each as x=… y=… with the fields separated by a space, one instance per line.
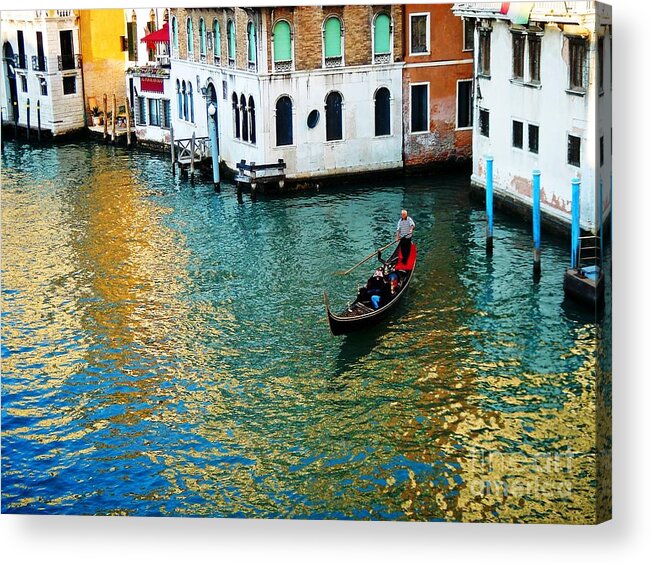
x=250 y=33
x=333 y=116
x=191 y=101
x=175 y=33
x=179 y=98
x=236 y=116
x=282 y=38
x=332 y=39
x=382 y=34
x=202 y=38
x=217 y=40
x=382 y=112
x=245 y=119
x=185 y=101
x=190 y=38
x=230 y=38
x=284 y=126
x=252 y=119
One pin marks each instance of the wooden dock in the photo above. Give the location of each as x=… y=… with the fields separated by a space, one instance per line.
x=256 y=175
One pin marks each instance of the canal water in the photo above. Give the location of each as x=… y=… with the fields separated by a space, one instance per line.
x=165 y=352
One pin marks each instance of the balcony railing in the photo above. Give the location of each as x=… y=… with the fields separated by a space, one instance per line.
x=217 y=60
x=282 y=66
x=331 y=62
x=20 y=61
x=69 y=62
x=252 y=66
x=231 y=63
x=381 y=58
x=39 y=63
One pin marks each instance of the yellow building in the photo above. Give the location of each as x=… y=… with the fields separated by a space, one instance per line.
x=104 y=56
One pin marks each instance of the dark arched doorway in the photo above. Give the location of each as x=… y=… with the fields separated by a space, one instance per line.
x=10 y=74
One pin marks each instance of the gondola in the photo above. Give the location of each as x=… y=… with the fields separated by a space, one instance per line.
x=361 y=314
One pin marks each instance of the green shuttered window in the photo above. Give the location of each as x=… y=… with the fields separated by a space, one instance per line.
x=382 y=34
x=282 y=42
x=230 y=32
x=332 y=37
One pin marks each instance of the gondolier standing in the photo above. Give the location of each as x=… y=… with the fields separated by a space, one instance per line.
x=405 y=229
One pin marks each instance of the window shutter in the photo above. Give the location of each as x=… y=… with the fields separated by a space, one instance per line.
x=382 y=34
x=333 y=37
x=282 y=42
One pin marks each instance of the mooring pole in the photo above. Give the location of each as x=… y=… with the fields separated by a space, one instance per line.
x=38 y=118
x=15 y=120
x=128 y=110
x=536 y=223
x=114 y=115
x=601 y=222
x=105 y=103
x=576 y=219
x=489 y=205
x=172 y=150
x=28 y=124
x=192 y=157
x=214 y=149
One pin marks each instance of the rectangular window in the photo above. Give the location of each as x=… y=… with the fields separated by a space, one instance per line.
x=132 y=40
x=23 y=83
x=518 y=56
x=573 y=150
x=140 y=111
x=534 y=58
x=66 y=42
x=601 y=151
x=22 y=58
x=69 y=84
x=154 y=112
x=468 y=34
x=43 y=82
x=533 y=138
x=577 y=63
x=485 y=52
x=484 y=125
x=419 y=29
x=419 y=108
x=166 y=114
x=518 y=131
x=600 y=63
x=464 y=104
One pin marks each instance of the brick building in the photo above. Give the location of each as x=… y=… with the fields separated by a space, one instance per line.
x=438 y=85
x=317 y=86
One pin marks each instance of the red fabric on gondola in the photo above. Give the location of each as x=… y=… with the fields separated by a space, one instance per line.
x=410 y=261
x=160 y=36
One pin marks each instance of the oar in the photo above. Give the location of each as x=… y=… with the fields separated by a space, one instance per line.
x=369 y=257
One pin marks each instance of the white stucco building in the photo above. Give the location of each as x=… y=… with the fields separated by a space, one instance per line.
x=42 y=65
x=543 y=86
x=282 y=94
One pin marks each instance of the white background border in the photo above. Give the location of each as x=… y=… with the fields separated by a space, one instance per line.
x=624 y=539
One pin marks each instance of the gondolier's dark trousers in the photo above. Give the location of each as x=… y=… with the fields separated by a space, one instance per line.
x=405 y=248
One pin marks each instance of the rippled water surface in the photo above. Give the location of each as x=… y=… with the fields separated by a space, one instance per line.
x=165 y=352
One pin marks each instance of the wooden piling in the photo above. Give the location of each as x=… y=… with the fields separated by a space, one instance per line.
x=38 y=118
x=105 y=104
x=536 y=223
x=172 y=150
x=128 y=110
x=113 y=119
x=28 y=120
x=489 y=205
x=601 y=221
x=192 y=156
x=576 y=222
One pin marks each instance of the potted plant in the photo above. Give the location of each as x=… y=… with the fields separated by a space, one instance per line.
x=97 y=117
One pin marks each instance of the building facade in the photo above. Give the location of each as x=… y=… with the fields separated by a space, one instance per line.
x=148 y=76
x=42 y=70
x=319 y=87
x=437 y=85
x=543 y=101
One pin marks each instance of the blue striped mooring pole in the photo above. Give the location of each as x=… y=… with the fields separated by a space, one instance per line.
x=489 y=205
x=214 y=147
x=536 y=222
x=576 y=219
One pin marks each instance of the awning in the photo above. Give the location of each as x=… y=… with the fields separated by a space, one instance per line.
x=161 y=35
x=517 y=12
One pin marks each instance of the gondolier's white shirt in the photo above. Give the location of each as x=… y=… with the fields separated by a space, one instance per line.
x=404 y=226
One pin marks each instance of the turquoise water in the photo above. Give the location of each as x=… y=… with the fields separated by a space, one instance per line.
x=165 y=352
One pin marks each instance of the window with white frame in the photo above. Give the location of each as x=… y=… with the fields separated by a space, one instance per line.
x=418 y=34
x=468 y=34
x=333 y=39
x=419 y=101
x=382 y=30
x=282 y=46
x=154 y=111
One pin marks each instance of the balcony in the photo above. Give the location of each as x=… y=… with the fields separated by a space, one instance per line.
x=20 y=61
x=333 y=62
x=217 y=60
x=381 y=58
x=231 y=63
x=252 y=66
x=39 y=64
x=69 y=62
x=282 y=66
